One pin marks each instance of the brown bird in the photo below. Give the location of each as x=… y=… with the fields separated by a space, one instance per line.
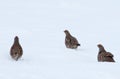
x=104 y=56
x=16 y=50
x=70 y=41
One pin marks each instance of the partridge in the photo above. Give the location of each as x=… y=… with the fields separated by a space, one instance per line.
x=103 y=55
x=16 y=50
x=70 y=41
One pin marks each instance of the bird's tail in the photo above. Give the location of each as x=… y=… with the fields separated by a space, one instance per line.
x=78 y=44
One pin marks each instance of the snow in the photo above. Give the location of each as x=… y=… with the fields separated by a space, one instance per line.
x=40 y=25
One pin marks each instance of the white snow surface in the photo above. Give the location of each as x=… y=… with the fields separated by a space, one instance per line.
x=39 y=24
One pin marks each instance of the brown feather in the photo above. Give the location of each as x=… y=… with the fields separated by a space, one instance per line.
x=16 y=50
x=104 y=56
x=70 y=41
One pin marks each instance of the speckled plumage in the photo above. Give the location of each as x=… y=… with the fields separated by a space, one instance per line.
x=16 y=50
x=104 y=56
x=70 y=41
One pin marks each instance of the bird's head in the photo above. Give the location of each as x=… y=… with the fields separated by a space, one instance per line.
x=66 y=32
x=16 y=39
x=99 y=45
x=101 y=48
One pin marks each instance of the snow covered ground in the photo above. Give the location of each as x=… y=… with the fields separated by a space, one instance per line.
x=40 y=25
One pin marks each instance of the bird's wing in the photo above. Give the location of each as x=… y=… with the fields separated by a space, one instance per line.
x=108 y=54
x=74 y=40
